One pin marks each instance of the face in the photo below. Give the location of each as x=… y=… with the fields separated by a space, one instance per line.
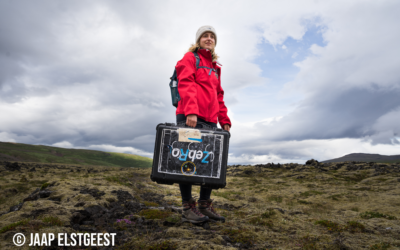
x=207 y=41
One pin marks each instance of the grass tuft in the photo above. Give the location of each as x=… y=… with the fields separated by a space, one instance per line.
x=53 y=221
x=380 y=246
x=150 y=204
x=370 y=215
x=12 y=226
x=268 y=214
x=351 y=226
x=330 y=225
x=310 y=193
x=355 y=227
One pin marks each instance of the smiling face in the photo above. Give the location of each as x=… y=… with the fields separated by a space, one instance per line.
x=207 y=41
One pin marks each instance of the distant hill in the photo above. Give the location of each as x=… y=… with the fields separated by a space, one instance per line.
x=367 y=158
x=46 y=154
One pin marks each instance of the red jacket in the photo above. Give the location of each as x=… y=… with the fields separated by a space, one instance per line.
x=201 y=94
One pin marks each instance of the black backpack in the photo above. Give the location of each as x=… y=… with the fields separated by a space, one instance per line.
x=173 y=84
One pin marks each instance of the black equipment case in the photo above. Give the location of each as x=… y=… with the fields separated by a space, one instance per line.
x=196 y=156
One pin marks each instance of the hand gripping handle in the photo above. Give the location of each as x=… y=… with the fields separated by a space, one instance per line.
x=204 y=125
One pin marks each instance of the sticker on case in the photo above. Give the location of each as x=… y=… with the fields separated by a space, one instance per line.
x=189 y=135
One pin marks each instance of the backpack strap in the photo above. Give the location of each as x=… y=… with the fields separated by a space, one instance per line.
x=198 y=61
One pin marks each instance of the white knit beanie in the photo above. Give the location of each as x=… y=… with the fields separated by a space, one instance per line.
x=204 y=29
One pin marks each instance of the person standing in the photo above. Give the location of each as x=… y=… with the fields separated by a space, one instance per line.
x=202 y=100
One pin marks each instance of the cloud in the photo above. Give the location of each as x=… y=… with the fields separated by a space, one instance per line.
x=6 y=137
x=107 y=148
x=300 y=151
x=127 y=150
x=63 y=144
x=87 y=73
x=350 y=89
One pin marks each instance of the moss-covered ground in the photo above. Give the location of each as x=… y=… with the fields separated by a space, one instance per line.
x=285 y=207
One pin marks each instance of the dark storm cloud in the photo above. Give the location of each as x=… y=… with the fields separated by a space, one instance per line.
x=35 y=62
x=27 y=40
x=344 y=114
x=95 y=73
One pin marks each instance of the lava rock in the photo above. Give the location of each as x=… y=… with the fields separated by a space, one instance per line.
x=93 y=192
x=33 y=196
x=16 y=207
x=95 y=210
x=248 y=172
x=312 y=162
x=12 y=166
x=45 y=193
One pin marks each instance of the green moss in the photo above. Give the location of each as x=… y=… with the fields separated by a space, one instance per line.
x=330 y=225
x=355 y=227
x=173 y=218
x=351 y=226
x=304 y=202
x=370 y=215
x=335 y=197
x=227 y=195
x=12 y=226
x=276 y=198
x=53 y=221
x=310 y=193
x=150 y=204
x=380 y=246
x=381 y=179
x=257 y=221
x=239 y=236
x=268 y=214
x=118 y=179
x=44 y=186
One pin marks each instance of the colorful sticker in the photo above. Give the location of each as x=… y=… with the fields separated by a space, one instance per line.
x=189 y=135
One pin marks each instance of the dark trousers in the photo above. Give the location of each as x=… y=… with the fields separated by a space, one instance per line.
x=186 y=189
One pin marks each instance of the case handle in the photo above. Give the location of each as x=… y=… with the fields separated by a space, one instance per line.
x=203 y=125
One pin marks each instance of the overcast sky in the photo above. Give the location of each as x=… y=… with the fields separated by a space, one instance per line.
x=302 y=79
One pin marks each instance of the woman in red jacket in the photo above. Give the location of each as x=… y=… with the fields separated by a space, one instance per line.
x=202 y=100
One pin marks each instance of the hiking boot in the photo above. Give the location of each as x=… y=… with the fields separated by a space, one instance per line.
x=206 y=208
x=191 y=213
